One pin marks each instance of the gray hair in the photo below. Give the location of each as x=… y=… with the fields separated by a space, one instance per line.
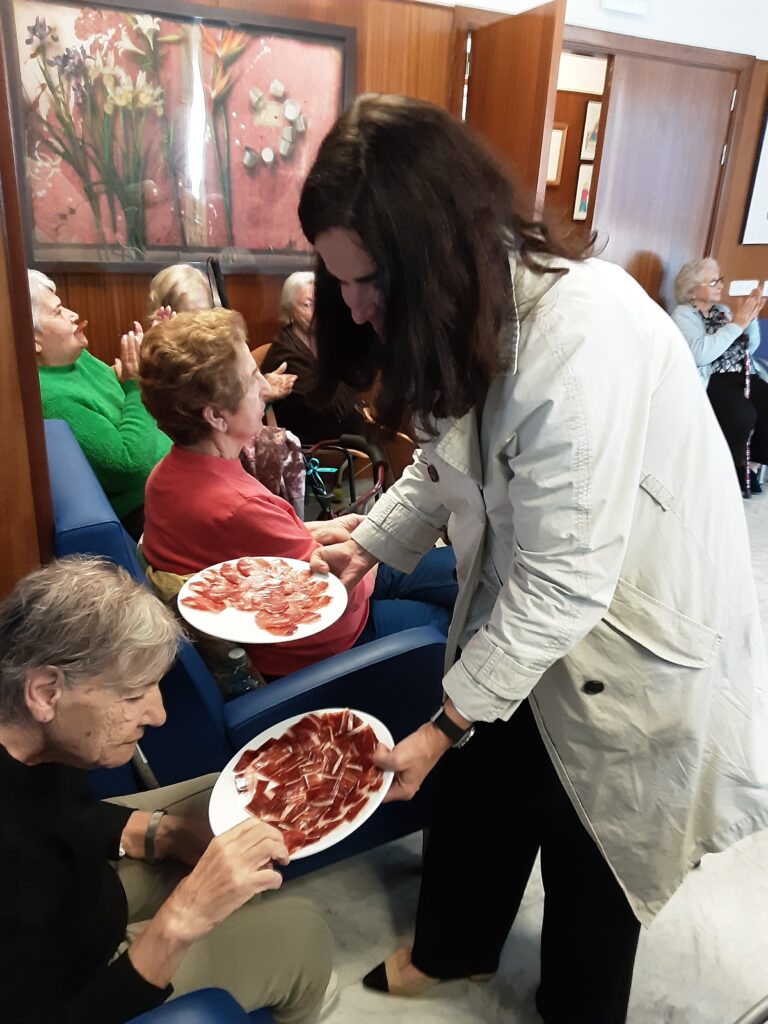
x=691 y=275
x=176 y=284
x=39 y=284
x=288 y=296
x=87 y=617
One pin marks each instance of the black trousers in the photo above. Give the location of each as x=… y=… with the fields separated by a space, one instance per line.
x=500 y=802
x=739 y=416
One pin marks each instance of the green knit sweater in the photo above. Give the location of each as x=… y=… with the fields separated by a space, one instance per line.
x=118 y=436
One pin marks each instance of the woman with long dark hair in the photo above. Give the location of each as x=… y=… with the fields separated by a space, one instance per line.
x=605 y=659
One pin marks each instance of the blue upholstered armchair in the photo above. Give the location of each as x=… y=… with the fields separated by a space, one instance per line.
x=208 y=1006
x=398 y=678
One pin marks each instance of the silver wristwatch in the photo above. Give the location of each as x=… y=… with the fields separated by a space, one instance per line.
x=449 y=728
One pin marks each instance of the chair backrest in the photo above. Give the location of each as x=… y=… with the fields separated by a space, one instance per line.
x=260 y=352
x=216 y=282
x=85 y=523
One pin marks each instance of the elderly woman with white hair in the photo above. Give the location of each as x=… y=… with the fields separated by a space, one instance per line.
x=95 y=929
x=722 y=342
x=101 y=404
x=302 y=412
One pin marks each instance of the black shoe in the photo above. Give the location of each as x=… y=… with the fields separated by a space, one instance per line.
x=754 y=483
x=377 y=979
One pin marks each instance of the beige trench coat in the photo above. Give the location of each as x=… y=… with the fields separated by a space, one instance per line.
x=597 y=503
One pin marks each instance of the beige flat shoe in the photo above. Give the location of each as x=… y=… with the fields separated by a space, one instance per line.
x=397 y=976
x=388 y=976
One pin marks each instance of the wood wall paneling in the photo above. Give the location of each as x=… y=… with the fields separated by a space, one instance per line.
x=19 y=550
x=25 y=511
x=737 y=261
x=666 y=126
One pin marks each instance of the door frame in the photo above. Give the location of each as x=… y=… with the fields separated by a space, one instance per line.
x=591 y=42
x=596 y=43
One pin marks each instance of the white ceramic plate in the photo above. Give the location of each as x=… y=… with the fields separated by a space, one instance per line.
x=227 y=807
x=240 y=627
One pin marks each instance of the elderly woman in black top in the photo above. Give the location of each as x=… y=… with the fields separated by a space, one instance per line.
x=309 y=417
x=89 y=933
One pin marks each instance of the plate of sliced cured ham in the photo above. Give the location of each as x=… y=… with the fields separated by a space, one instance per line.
x=311 y=777
x=261 y=600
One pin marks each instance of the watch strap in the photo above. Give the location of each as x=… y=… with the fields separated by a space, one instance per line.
x=149 y=837
x=449 y=728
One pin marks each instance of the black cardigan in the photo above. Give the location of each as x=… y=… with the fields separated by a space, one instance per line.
x=300 y=411
x=63 y=910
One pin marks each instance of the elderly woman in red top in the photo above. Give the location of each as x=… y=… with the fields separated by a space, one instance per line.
x=199 y=381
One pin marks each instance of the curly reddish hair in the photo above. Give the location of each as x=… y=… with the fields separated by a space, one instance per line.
x=187 y=363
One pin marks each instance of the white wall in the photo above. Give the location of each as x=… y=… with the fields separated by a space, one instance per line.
x=581 y=74
x=738 y=25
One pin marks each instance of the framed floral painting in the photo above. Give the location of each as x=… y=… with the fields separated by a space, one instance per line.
x=146 y=138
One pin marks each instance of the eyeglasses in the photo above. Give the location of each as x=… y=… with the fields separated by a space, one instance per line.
x=716 y=282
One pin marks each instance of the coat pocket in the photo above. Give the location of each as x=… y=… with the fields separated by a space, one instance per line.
x=664 y=631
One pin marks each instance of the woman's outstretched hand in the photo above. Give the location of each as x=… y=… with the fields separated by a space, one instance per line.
x=412 y=759
x=334 y=531
x=280 y=383
x=348 y=560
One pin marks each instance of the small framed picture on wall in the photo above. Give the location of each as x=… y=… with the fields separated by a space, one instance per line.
x=591 y=130
x=556 y=153
x=583 y=192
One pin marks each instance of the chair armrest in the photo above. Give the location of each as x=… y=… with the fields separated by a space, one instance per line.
x=397 y=678
x=208 y=1006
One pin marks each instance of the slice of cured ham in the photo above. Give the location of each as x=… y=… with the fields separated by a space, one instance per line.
x=316 y=776
x=283 y=597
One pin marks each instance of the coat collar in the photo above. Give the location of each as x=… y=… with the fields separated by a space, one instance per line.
x=459 y=446
x=458 y=441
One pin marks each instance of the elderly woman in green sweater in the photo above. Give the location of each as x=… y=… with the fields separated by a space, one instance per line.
x=101 y=404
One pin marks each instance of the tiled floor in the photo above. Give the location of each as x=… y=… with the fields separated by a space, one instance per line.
x=703 y=961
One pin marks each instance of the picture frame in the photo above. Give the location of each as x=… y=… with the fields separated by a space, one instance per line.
x=591 y=129
x=583 y=192
x=755 y=227
x=171 y=133
x=556 y=152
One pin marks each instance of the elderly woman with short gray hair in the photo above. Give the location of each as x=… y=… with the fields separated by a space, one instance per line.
x=722 y=342
x=94 y=930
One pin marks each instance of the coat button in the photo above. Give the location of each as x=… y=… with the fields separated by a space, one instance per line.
x=593 y=686
x=434 y=476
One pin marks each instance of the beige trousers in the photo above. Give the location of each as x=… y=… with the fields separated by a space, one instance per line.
x=275 y=951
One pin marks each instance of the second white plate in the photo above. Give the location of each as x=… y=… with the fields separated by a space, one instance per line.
x=240 y=627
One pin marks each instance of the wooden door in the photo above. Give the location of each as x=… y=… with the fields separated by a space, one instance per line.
x=661 y=169
x=512 y=89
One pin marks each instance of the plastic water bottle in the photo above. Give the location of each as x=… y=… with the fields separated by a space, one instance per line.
x=239 y=679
